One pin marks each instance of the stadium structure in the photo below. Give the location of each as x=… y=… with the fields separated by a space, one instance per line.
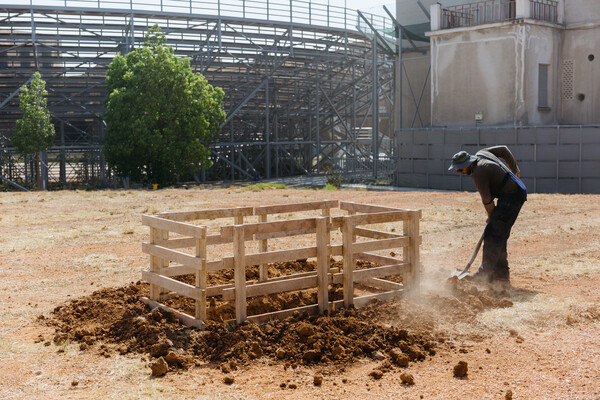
x=306 y=83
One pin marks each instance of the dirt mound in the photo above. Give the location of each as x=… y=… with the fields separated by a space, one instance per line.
x=116 y=320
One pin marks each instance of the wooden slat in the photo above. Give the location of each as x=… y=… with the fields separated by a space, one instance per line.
x=363 y=301
x=171 y=284
x=178 y=243
x=322 y=263
x=275 y=235
x=287 y=285
x=271 y=227
x=184 y=318
x=173 y=226
x=239 y=250
x=172 y=255
x=201 y=276
x=336 y=250
x=206 y=214
x=311 y=309
x=376 y=258
x=177 y=270
x=373 y=234
x=364 y=208
x=375 y=272
x=375 y=218
x=284 y=208
x=382 y=284
x=280 y=255
x=381 y=244
x=348 y=263
x=263 y=247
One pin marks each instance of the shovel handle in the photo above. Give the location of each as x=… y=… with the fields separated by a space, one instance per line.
x=475 y=251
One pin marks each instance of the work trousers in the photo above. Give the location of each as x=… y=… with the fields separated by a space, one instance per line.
x=495 y=263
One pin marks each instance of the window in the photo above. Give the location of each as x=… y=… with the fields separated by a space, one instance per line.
x=543 y=87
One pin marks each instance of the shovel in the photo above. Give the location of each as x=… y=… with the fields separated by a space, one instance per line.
x=461 y=273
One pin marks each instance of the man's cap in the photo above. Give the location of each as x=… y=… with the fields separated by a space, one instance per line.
x=462 y=160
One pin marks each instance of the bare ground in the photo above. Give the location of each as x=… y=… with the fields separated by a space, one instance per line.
x=62 y=246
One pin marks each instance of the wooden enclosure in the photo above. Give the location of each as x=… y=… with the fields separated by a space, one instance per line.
x=180 y=244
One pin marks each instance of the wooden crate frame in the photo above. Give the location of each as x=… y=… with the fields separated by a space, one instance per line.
x=167 y=261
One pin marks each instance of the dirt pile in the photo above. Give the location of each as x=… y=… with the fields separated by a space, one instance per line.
x=116 y=320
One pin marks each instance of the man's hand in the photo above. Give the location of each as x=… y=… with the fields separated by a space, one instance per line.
x=518 y=174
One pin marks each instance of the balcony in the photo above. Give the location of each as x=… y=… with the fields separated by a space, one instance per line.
x=491 y=11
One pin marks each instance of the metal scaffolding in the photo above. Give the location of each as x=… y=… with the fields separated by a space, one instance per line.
x=306 y=84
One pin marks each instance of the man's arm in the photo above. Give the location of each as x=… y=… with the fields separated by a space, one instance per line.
x=489 y=208
x=504 y=153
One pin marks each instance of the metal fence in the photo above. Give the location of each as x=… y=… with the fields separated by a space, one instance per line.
x=490 y=11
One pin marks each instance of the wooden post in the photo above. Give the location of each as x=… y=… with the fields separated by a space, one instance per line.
x=348 y=262
x=201 y=278
x=156 y=263
x=263 y=272
x=411 y=253
x=239 y=250
x=322 y=262
x=415 y=258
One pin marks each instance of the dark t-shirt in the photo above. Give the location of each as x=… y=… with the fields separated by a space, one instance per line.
x=488 y=175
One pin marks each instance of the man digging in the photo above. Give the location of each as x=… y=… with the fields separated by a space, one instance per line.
x=496 y=175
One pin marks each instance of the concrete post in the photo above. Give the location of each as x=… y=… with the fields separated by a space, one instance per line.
x=523 y=9
x=436 y=12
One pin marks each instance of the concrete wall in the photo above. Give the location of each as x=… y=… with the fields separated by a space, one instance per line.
x=416 y=85
x=493 y=69
x=580 y=67
x=551 y=159
x=581 y=11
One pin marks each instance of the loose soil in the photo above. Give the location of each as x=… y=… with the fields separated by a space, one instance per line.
x=116 y=320
x=72 y=325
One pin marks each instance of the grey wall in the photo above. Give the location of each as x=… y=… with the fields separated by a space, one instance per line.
x=556 y=159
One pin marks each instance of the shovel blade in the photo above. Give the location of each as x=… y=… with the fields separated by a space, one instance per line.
x=459 y=273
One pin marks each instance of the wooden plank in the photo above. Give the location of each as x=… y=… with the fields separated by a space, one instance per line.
x=173 y=226
x=375 y=272
x=411 y=228
x=155 y=263
x=185 y=242
x=263 y=245
x=172 y=255
x=348 y=263
x=373 y=234
x=184 y=318
x=376 y=258
x=311 y=309
x=275 y=235
x=270 y=227
x=363 y=301
x=382 y=284
x=375 y=218
x=280 y=286
x=382 y=244
x=322 y=263
x=336 y=250
x=201 y=280
x=171 y=284
x=364 y=208
x=285 y=208
x=239 y=249
x=206 y=214
x=177 y=270
x=280 y=255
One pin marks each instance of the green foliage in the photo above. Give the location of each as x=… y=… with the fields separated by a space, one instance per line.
x=35 y=131
x=161 y=117
x=259 y=187
x=330 y=186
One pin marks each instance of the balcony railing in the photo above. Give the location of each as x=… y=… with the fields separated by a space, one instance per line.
x=544 y=10
x=490 y=11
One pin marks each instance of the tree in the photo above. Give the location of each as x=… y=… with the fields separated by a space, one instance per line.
x=161 y=117
x=35 y=131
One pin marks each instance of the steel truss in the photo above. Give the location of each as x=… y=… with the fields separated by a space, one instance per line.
x=305 y=86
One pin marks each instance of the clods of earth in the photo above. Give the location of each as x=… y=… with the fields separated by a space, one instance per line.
x=115 y=320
